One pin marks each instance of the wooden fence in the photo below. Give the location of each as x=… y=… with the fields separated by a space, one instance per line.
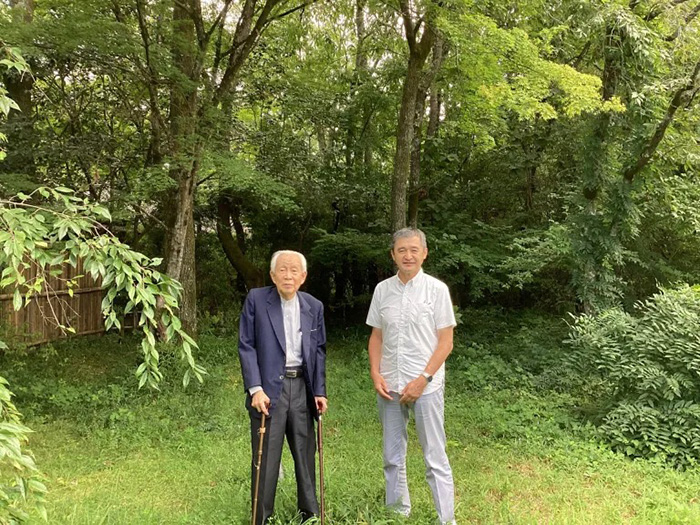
x=37 y=323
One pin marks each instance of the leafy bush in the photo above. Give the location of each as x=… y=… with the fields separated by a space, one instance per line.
x=465 y=252
x=348 y=264
x=53 y=227
x=20 y=480
x=541 y=260
x=650 y=363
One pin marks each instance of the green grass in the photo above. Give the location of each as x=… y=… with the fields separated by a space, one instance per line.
x=520 y=455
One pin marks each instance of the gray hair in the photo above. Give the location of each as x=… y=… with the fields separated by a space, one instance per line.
x=406 y=233
x=276 y=255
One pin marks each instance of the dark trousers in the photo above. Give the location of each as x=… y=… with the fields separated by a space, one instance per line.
x=291 y=418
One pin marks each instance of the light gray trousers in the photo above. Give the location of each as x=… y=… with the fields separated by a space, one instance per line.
x=430 y=426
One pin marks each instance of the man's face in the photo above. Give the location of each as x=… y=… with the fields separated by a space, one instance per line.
x=288 y=275
x=408 y=254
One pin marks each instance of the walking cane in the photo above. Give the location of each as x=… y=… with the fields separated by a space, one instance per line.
x=261 y=431
x=320 y=468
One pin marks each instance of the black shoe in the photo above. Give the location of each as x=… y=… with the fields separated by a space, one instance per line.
x=307 y=516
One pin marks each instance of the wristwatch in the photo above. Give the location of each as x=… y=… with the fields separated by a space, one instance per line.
x=427 y=376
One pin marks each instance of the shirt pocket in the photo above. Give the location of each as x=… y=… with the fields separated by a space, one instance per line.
x=422 y=313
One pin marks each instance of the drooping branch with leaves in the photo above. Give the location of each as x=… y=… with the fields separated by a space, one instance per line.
x=47 y=230
x=21 y=484
x=52 y=227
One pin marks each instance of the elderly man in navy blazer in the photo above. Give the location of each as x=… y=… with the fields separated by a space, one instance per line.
x=282 y=348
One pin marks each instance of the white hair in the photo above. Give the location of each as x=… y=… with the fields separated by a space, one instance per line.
x=276 y=255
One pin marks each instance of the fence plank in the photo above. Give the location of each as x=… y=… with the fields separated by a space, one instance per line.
x=36 y=322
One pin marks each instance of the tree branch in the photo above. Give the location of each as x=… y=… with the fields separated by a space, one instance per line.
x=688 y=19
x=196 y=15
x=680 y=98
x=575 y=62
x=157 y=125
x=658 y=10
x=408 y=24
x=292 y=10
x=243 y=41
x=219 y=19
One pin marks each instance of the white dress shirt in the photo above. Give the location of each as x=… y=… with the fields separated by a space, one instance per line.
x=292 y=330
x=409 y=316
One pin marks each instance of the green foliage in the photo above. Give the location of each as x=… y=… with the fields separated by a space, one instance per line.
x=52 y=227
x=467 y=256
x=256 y=190
x=21 y=485
x=10 y=60
x=218 y=300
x=542 y=260
x=512 y=75
x=361 y=250
x=355 y=261
x=45 y=230
x=650 y=363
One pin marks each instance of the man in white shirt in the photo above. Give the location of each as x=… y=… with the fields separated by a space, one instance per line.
x=412 y=331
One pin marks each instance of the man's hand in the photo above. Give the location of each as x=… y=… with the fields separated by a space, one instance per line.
x=261 y=402
x=380 y=386
x=413 y=390
x=321 y=404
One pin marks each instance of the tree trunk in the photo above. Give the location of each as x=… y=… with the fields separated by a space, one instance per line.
x=435 y=108
x=184 y=151
x=235 y=248
x=416 y=150
x=428 y=81
x=353 y=142
x=363 y=142
x=196 y=101
x=418 y=53
x=404 y=142
x=530 y=188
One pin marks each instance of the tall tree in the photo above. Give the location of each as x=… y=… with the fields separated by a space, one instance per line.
x=427 y=85
x=619 y=148
x=205 y=76
x=420 y=35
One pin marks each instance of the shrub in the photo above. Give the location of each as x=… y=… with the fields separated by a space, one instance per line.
x=20 y=481
x=345 y=267
x=650 y=363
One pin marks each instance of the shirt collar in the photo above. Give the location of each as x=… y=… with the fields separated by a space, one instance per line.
x=415 y=281
x=289 y=302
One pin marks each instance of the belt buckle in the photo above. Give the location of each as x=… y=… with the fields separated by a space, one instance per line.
x=292 y=373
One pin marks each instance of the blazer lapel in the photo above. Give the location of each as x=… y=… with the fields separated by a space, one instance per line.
x=305 y=315
x=274 y=311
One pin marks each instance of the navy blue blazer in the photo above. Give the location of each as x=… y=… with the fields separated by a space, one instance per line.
x=261 y=346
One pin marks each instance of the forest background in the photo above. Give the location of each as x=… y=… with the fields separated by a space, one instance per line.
x=549 y=149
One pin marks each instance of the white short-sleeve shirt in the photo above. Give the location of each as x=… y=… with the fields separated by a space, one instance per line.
x=409 y=316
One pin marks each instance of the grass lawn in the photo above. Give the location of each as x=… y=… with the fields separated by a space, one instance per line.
x=520 y=455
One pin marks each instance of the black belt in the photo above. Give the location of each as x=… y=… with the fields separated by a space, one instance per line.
x=293 y=372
